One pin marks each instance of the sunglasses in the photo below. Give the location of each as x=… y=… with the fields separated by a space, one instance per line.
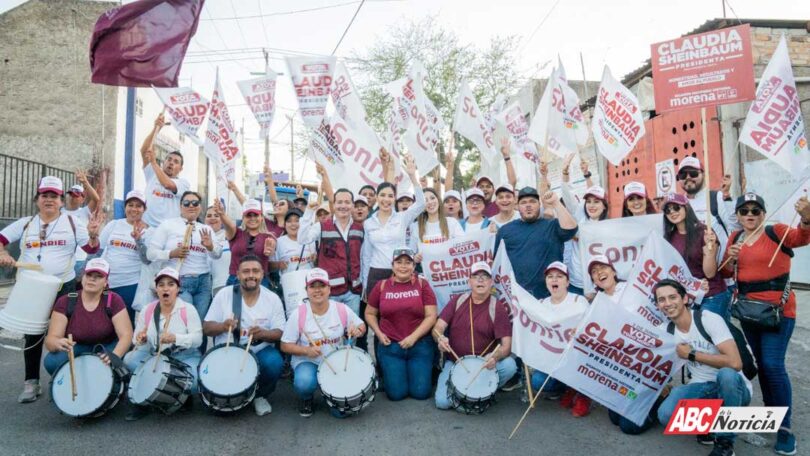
x=693 y=173
x=191 y=203
x=672 y=208
x=753 y=211
x=251 y=242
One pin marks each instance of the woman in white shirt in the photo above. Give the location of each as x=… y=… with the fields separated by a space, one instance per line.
x=386 y=229
x=476 y=204
x=182 y=337
x=221 y=265
x=433 y=226
x=604 y=278
x=290 y=254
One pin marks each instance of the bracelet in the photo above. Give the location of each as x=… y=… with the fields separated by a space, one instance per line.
x=565 y=173
x=587 y=175
x=506 y=159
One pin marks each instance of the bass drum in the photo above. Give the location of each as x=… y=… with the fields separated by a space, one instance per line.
x=224 y=385
x=98 y=387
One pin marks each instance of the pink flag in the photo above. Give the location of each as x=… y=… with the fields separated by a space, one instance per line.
x=143 y=43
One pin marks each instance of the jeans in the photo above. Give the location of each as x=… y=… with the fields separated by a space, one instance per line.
x=352 y=301
x=407 y=372
x=196 y=290
x=718 y=304
x=506 y=369
x=127 y=293
x=55 y=359
x=630 y=428
x=305 y=382
x=730 y=387
x=553 y=386
x=190 y=356
x=769 y=350
x=270 y=365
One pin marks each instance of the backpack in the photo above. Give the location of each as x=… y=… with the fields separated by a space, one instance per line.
x=749 y=368
x=150 y=309
x=302 y=316
x=492 y=303
x=714 y=210
x=73 y=298
x=771 y=233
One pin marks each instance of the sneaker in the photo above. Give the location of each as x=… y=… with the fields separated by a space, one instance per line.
x=567 y=399
x=722 y=447
x=513 y=383
x=136 y=412
x=262 y=406
x=582 y=406
x=305 y=409
x=705 y=439
x=785 y=442
x=31 y=391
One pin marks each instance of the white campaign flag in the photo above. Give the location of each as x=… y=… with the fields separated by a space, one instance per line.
x=786 y=212
x=345 y=97
x=470 y=123
x=574 y=120
x=774 y=125
x=220 y=139
x=558 y=123
x=523 y=149
x=260 y=96
x=618 y=359
x=225 y=174
x=617 y=121
x=186 y=108
x=312 y=80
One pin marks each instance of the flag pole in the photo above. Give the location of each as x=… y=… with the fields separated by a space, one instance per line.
x=706 y=167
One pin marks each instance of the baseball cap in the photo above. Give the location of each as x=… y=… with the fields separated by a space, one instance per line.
x=317 y=275
x=483 y=177
x=635 y=188
x=136 y=194
x=361 y=199
x=750 y=197
x=595 y=191
x=475 y=191
x=252 y=206
x=598 y=259
x=406 y=194
x=480 y=266
x=452 y=194
x=557 y=266
x=168 y=272
x=293 y=211
x=50 y=184
x=97 y=265
x=300 y=200
x=78 y=188
x=505 y=188
x=676 y=198
x=403 y=251
x=690 y=162
x=528 y=192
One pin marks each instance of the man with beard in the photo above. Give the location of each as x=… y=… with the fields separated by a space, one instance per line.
x=534 y=242
x=163 y=184
x=259 y=314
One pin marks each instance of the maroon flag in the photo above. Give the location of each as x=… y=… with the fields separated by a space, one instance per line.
x=142 y=44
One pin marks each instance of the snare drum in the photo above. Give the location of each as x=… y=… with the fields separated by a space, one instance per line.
x=224 y=387
x=98 y=387
x=353 y=384
x=166 y=388
x=475 y=397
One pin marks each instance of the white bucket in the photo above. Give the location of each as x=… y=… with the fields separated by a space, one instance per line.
x=29 y=305
x=294 y=285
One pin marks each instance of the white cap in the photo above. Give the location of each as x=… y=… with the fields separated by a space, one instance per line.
x=50 y=184
x=557 y=266
x=484 y=177
x=452 y=194
x=137 y=194
x=690 y=162
x=480 y=266
x=77 y=188
x=317 y=275
x=475 y=191
x=406 y=194
x=635 y=188
x=97 y=265
x=595 y=191
x=598 y=259
x=253 y=206
x=505 y=187
x=168 y=272
x=361 y=199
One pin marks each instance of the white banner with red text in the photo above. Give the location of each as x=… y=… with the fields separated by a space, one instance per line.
x=186 y=108
x=312 y=80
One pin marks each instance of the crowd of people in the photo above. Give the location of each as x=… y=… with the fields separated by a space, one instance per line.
x=362 y=254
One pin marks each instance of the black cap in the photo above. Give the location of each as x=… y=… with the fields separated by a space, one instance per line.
x=293 y=211
x=300 y=200
x=528 y=191
x=750 y=197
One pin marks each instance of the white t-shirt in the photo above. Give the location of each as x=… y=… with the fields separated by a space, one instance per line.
x=617 y=292
x=56 y=253
x=267 y=313
x=433 y=232
x=573 y=304
x=170 y=234
x=470 y=227
x=80 y=215
x=328 y=339
x=716 y=327
x=515 y=216
x=221 y=265
x=121 y=251
x=290 y=252
x=161 y=203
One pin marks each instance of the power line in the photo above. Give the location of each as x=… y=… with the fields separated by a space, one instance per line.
x=349 y=26
x=283 y=13
x=238 y=25
x=264 y=28
x=542 y=21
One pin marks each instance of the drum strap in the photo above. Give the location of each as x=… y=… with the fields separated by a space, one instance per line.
x=74 y=297
x=236 y=308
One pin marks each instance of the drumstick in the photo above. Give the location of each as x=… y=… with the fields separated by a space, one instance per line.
x=29 y=266
x=452 y=352
x=782 y=241
x=228 y=339
x=349 y=340
x=165 y=328
x=244 y=356
x=487 y=347
x=311 y=343
x=482 y=366
x=71 y=359
x=756 y=230
x=186 y=243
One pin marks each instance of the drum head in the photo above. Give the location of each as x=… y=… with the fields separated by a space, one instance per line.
x=350 y=379
x=220 y=373
x=484 y=386
x=145 y=380
x=94 y=383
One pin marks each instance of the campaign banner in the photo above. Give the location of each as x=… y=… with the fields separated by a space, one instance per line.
x=186 y=108
x=220 y=139
x=620 y=240
x=659 y=260
x=446 y=265
x=312 y=80
x=618 y=359
x=522 y=148
x=774 y=125
x=470 y=123
x=260 y=96
x=225 y=174
x=345 y=97
x=716 y=67
x=558 y=124
x=574 y=121
x=617 y=122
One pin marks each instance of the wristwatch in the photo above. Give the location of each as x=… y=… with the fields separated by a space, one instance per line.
x=587 y=175
x=692 y=355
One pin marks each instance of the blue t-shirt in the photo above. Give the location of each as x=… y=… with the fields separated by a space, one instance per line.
x=531 y=247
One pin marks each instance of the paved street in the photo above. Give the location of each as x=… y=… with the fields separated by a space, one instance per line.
x=409 y=427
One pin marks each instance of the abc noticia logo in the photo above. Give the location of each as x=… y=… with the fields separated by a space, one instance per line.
x=703 y=416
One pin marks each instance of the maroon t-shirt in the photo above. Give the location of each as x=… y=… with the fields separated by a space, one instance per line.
x=695 y=260
x=491 y=209
x=90 y=328
x=484 y=329
x=239 y=248
x=273 y=228
x=401 y=305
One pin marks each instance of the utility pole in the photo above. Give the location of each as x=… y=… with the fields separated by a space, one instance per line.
x=724 y=8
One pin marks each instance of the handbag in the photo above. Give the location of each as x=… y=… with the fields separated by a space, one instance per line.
x=756 y=314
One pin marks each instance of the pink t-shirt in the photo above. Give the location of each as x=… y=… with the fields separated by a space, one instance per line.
x=401 y=305
x=484 y=329
x=90 y=328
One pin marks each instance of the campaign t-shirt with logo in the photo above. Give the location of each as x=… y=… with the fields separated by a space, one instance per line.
x=267 y=313
x=433 y=232
x=161 y=203
x=169 y=235
x=401 y=305
x=297 y=256
x=121 y=251
x=326 y=331
x=90 y=328
x=485 y=330
x=80 y=215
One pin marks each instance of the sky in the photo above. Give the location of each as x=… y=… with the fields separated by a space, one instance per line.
x=606 y=32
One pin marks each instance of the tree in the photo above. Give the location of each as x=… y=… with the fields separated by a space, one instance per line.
x=490 y=73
